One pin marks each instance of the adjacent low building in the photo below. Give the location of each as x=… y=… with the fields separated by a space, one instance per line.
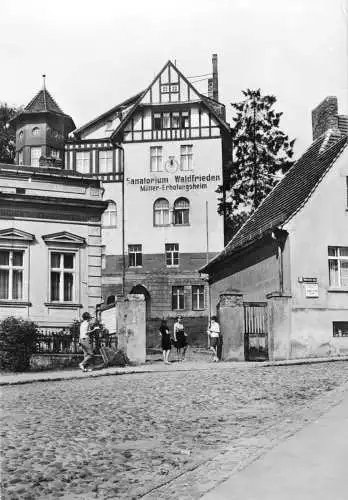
x=50 y=244
x=281 y=283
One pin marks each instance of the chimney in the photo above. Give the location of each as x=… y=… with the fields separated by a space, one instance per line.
x=215 y=83
x=325 y=117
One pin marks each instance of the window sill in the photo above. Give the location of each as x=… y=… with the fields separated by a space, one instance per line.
x=339 y=290
x=109 y=227
x=14 y=303
x=181 y=225
x=63 y=305
x=135 y=267
x=172 y=266
x=161 y=225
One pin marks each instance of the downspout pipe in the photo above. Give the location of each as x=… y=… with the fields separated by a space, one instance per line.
x=279 y=236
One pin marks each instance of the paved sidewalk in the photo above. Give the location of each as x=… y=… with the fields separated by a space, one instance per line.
x=311 y=465
x=158 y=366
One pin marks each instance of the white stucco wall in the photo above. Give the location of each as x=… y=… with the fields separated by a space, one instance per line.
x=139 y=228
x=321 y=223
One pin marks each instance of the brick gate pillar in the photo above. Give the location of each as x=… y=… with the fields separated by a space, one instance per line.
x=231 y=318
x=279 y=326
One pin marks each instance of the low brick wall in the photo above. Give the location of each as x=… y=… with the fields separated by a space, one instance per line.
x=58 y=361
x=196 y=329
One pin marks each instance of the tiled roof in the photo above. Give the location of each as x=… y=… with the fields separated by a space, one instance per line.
x=118 y=107
x=43 y=102
x=289 y=194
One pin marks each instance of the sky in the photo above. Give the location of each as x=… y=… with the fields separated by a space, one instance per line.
x=98 y=53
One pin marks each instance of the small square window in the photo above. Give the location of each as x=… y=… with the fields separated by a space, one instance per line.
x=340 y=328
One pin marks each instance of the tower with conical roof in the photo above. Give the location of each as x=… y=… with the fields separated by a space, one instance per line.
x=41 y=129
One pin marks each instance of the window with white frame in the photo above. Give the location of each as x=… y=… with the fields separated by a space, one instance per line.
x=338 y=267
x=181 y=212
x=178 y=297
x=62 y=276
x=172 y=254
x=197 y=297
x=105 y=161
x=11 y=274
x=36 y=131
x=186 y=157
x=156 y=164
x=161 y=212
x=135 y=256
x=109 y=217
x=35 y=154
x=82 y=161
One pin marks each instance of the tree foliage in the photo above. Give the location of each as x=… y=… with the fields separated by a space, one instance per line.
x=261 y=154
x=7 y=134
x=18 y=340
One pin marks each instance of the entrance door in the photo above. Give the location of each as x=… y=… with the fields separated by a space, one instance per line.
x=255 y=331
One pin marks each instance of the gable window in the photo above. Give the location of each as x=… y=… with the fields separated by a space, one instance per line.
x=35 y=154
x=109 y=217
x=156 y=164
x=62 y=276
x=185 y=119
x=157 y=121
x=11 y=274
x=82 y=162
x=174 y=119
x=109 y=126
x=105 y=161
x=135 y=256
x=338 y=267
x=197 y=297
x=161 y=212
x=186 y=157
x=166 y=120
x=36 y=131
x=181 y=212
x=178 y=297
x=172 y=254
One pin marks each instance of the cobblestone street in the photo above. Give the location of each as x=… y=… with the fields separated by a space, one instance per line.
x=154 y=435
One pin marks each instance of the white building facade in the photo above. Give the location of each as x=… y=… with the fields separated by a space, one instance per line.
x=161 y=156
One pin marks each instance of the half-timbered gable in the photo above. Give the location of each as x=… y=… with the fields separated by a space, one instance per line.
x=171 y=109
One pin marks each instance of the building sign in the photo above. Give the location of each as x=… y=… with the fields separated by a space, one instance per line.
x=178 y=183
x=311 y=290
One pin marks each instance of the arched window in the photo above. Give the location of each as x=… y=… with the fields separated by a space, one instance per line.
x=36 y=131
x=181 y=213
x=161 y=212
x=109 y=218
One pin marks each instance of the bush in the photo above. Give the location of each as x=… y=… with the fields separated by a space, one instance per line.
x=17 y=343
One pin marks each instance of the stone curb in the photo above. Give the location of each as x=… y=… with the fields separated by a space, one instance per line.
x=191 y=365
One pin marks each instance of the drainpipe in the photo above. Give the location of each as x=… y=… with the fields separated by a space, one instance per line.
x=120 y=147
x=276 y=235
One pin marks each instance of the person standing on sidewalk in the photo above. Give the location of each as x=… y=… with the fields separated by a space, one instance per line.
x=85 y=341
x=180 y=338
x=214 y=334
x=165 y=341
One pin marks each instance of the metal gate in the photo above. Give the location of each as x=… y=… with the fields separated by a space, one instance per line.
x=255 y=331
